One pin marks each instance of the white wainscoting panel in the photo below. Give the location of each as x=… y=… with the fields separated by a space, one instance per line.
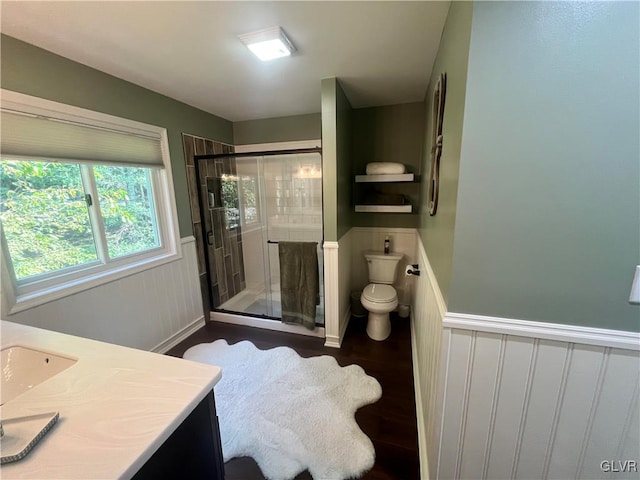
x=502 y=398
x=150 y=310
x=526 y=407
x=345 y=253
x=337 y=287
x=427 y=312
x=331 y=294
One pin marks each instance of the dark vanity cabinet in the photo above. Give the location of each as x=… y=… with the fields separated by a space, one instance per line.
x=193 y=451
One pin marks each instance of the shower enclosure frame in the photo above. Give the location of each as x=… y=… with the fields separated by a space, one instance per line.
x=205 y=234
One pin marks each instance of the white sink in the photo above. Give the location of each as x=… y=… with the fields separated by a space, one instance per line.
x=23 y=368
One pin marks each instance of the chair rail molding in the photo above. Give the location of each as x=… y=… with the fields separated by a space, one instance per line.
x=548 y=331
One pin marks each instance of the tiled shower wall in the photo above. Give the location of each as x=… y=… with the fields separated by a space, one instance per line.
x=293 y=185
x=226 y=265
x=294 y=190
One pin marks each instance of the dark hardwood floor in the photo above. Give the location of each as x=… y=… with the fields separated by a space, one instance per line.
x=390 y=423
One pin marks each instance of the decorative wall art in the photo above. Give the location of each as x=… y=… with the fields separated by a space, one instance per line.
x=436 y=143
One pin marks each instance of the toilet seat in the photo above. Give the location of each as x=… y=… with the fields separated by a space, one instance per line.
x=379 y=293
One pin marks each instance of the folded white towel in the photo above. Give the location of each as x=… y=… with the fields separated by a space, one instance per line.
x=385 y=168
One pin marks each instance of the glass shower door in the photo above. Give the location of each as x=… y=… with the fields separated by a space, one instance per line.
x=252 y=203
x=221 y=230
x=242 y=198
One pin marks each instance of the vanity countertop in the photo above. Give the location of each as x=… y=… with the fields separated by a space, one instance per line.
x=117 y=405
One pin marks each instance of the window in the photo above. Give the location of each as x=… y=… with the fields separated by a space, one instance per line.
x=52 y=222
x=239 y=198
x=127 y=207
x=249 y=191
x=44 y=217
x=85 y=198
x=230 y=201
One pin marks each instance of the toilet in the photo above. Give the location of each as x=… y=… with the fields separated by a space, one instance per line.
x=379 y=298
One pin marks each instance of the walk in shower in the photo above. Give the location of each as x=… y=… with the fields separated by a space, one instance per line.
x=249 y=203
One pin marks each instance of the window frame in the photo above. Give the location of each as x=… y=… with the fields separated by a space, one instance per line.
x=19 y=296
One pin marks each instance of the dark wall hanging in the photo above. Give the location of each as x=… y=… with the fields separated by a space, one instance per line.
x=436 y=142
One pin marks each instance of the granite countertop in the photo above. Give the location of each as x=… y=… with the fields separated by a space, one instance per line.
x=117 y=405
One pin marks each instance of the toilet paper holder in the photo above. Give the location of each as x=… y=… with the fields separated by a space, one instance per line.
x=412 y=270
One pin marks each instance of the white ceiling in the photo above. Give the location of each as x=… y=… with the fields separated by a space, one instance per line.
x=382 y=52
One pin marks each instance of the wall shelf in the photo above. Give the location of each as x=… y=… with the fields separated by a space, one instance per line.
x=404 y=177
x=383 y=200
x=384 y=208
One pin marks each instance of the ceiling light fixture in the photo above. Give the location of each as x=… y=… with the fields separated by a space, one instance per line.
x=268 y=44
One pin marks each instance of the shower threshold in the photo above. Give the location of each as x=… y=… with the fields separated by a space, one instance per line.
x=253 y=303
x=266 y=323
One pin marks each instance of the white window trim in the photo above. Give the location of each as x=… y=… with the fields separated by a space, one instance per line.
x=165 y=206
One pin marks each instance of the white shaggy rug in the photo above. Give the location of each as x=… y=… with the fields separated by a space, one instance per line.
x=290 y=413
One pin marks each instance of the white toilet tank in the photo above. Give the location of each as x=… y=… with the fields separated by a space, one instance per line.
x=382 y=268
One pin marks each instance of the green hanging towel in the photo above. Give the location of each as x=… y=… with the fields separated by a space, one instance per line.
x=299 y=282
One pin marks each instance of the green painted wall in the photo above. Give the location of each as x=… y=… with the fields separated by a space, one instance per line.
x=548 y=217
x=437 y=232
x=281 y=129
x=329 y=158
x=391 y=133
x=33 y=71
x=344 y=176
x=336 y=160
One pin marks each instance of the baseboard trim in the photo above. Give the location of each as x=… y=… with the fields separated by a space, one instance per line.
x=549 y=331
x=336 y=342
x=332 y=342
x=179 y=336
x=422 y=434
x=265 y=323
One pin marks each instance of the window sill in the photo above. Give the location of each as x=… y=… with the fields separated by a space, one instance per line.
x=30 y=300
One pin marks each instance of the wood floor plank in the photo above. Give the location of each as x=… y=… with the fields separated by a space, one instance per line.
x=390 y=423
